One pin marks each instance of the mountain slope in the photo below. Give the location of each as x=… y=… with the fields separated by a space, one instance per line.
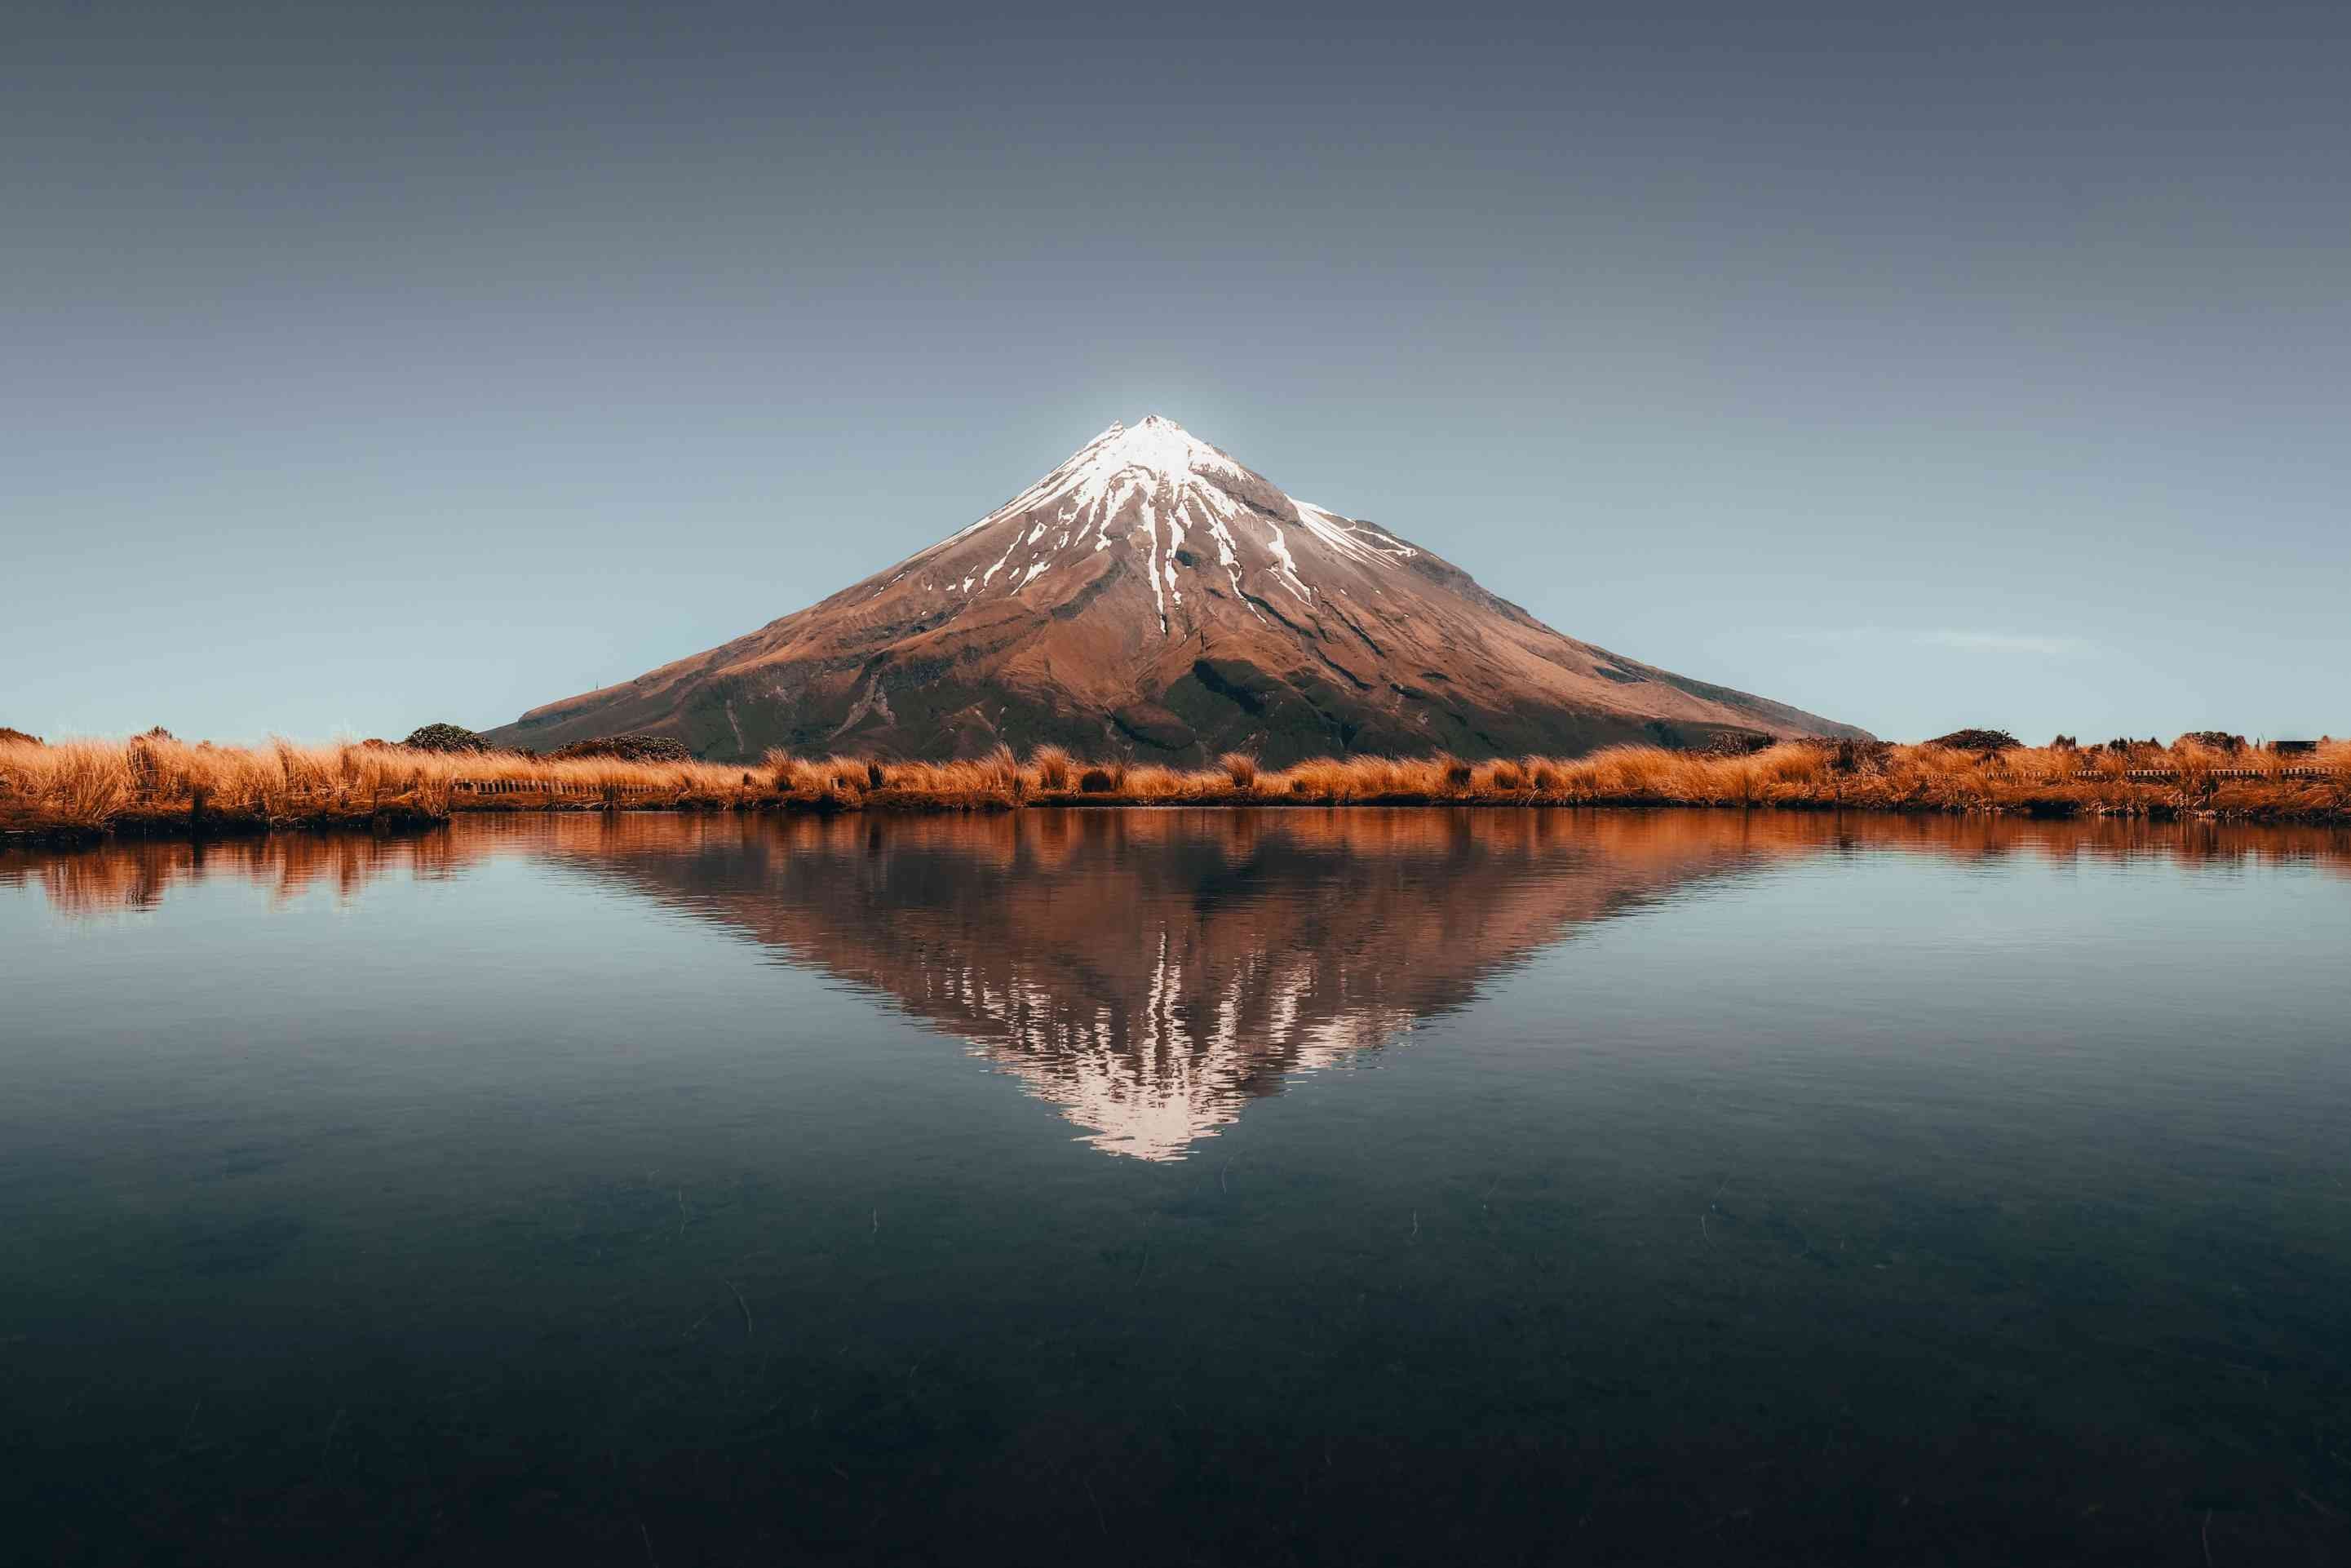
x=1151 y=596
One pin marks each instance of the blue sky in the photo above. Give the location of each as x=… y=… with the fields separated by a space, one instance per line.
x=370 y=366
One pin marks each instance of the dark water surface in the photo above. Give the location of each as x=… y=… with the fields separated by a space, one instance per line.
x=1182 y=1187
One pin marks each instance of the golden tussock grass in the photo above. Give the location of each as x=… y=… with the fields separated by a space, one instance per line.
x=1055 y=767
x=150 y=779
x=155 y=782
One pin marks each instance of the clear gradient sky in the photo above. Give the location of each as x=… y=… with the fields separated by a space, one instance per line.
x=1921 y=365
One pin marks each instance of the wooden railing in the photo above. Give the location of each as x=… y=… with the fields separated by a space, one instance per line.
x=2163 y=775
x=562 y=786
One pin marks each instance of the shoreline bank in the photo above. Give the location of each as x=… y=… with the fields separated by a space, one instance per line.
x=401 y=817
x=90 y=791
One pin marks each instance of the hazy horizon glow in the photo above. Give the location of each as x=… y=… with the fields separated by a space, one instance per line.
x=374 y=366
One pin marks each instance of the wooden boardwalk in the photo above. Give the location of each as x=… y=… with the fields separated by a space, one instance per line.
x=2166 y=775
x=565 y=787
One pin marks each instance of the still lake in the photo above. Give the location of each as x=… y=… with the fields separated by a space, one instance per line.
x=1184 y=1187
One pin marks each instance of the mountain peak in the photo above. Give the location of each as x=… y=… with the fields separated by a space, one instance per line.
x=1154 y=443
x=1152 y=596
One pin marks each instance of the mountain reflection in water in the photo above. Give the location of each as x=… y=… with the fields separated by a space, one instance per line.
x=1149 y=972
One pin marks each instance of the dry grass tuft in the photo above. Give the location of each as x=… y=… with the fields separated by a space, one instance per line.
x=1051 y=765
x=1001 y=771
x=1239 y=769
x=845 y=775
x=1152 y=782
x=790 y=774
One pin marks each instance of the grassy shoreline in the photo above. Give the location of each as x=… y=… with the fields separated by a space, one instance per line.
x=158 y=787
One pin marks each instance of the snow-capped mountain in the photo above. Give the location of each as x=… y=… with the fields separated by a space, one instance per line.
x=1151 y=596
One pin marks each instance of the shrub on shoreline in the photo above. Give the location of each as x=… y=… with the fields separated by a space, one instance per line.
x=1978 y=740
x=626 y=747
x=445 y=737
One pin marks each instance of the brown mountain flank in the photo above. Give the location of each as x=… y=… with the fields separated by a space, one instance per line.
x=1152 y=598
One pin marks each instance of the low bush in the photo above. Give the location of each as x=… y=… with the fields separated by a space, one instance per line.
x=627 y=748
x=1978 y=740
x=445 y=737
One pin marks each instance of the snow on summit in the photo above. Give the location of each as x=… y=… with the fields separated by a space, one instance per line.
x=1150 y=486
x=1160 y=445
